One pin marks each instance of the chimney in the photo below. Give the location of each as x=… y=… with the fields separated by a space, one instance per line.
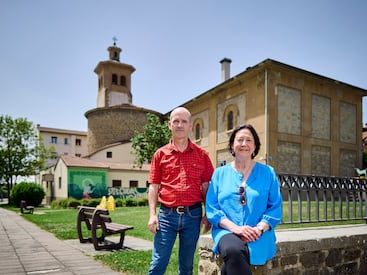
x=226 y=68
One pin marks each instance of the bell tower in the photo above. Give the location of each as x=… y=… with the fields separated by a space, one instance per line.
x=114 y=79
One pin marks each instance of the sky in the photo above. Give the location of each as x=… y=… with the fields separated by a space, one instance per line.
x=49 y=49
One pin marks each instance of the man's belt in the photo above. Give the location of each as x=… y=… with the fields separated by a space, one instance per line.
x=182 y=209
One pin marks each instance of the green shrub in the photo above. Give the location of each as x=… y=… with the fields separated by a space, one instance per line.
x=55 y=204
x=84 y=202
x=142 y=201
x=120 y=202
x=32 y=193
x=131 y=202
x=73 y=203
x=93 y=202
x=64 y=203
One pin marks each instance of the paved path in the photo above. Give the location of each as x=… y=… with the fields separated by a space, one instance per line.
x=27 y=249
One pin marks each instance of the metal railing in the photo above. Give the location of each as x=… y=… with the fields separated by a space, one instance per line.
x=322 y=199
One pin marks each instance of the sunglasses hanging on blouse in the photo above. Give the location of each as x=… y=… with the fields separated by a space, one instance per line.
x=242 y=192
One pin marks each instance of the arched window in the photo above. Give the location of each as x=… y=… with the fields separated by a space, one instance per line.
x=197 y=131
x=122 y=80
x=230 y=124
x=100 y=82
x=114 y=79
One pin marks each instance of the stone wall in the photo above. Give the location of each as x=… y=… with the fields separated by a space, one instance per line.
x=324 y=250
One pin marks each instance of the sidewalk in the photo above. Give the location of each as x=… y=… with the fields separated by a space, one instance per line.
x=27 y=249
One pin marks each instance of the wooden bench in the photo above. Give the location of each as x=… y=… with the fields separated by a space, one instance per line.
x=100 y=224
x=24 y=208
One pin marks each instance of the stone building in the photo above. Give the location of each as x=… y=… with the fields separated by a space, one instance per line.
x=307 y=123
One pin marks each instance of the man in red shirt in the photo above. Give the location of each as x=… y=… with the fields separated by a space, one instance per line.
x=179 y=178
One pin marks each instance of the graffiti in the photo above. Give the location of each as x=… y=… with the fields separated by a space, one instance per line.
x=86 y=184
x=125 y=193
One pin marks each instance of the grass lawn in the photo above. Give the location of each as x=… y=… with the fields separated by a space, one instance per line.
x=62 y=223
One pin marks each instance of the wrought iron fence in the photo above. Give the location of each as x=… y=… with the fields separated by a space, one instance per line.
x=322 y=199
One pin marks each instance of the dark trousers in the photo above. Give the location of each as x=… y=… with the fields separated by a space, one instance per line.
x=235 y=255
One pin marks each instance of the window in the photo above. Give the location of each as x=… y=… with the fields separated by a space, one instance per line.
x=347 y=119
x=122 y=80
x=230 y=118
x=230 y=123
x=78 y=142
x=289 y=110
x=114 y=79
x=133 y=183
x=197 y=131
x=54 y=140
x=78 y=155
x=66 y=141
x=100 y=82
x=59 y=182
x=109 y=155
x=116 y=183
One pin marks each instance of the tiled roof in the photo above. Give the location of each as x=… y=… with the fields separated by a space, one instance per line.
x=82 y=162
x=61 y=131
x=72 y=161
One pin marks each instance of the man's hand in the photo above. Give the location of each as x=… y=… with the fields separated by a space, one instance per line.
x=206 y=224
x=153 y=224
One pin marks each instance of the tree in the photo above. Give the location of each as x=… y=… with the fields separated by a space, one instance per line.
x=21 y=153
x=155 y=134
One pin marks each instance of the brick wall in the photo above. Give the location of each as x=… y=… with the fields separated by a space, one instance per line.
x=114 y=124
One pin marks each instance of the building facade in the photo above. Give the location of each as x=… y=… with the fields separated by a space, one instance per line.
x=65 y=142
x=84 y=178
x=307 y=123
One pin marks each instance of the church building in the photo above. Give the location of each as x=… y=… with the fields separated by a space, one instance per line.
x=108 y=165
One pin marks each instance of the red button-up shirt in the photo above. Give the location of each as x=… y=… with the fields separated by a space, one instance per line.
x=180 y=174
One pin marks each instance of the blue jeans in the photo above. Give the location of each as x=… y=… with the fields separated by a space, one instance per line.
x=187 y=225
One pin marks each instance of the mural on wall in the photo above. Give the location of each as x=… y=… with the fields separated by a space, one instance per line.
x=124 y=193
x=87 y=183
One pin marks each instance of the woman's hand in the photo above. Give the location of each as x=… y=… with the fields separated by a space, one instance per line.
x=248 y=233
x=245 y=232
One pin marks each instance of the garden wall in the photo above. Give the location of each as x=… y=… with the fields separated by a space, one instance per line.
x=322 y=250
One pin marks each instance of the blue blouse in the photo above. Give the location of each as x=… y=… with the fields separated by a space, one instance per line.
x=264 y=203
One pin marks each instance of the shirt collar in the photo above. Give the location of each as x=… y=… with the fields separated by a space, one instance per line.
x=172 y=147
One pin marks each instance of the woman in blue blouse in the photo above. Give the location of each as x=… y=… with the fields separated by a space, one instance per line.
x=244 y=205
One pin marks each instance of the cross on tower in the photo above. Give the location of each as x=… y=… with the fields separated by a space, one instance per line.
x=114 y=40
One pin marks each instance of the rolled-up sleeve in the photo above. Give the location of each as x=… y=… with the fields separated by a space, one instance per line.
x=273 y=212
x=213 y=210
